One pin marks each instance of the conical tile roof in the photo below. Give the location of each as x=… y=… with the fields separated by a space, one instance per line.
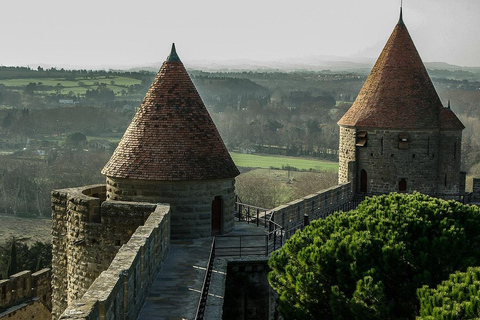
x=398 y=93
x=172 y=136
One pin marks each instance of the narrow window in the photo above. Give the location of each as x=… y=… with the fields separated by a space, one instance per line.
x=361 y=139
x=428 y=147
x=381 y=146
x=455 y=150
x=402 y=185
x=403 y=140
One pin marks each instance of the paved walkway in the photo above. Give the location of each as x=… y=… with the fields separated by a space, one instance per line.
x=176 y=291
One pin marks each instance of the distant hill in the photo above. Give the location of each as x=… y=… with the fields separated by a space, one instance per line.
x=315 y=63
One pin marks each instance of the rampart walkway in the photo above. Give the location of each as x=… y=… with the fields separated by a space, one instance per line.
x=175 y=293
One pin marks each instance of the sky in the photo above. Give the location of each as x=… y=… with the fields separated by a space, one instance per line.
x=107 y=33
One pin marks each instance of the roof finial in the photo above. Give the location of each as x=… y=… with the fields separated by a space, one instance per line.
x=448 y=107
x=401 y=12
x=173 y=57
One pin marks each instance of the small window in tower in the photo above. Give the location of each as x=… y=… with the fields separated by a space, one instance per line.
x=403 y=140
x=361 y=139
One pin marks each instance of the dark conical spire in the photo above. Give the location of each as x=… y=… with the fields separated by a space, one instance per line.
x=401 y=15
x=173 y=57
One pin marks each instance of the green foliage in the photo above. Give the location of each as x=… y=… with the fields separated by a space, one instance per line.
x=76 y=139
x=369 y=262
x=455 y=298
x=12 y=261
x=16 y=256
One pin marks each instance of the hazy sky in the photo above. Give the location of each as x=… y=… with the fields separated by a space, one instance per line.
x=97 y=33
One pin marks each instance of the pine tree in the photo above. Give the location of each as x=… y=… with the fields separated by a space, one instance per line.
x=12 y=261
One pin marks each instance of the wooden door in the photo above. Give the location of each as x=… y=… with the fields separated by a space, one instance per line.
x=217 y=216
x=363 y=181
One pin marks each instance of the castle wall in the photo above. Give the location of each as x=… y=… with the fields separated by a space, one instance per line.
x=476 y=189
x=386 y=163
x=25 y=286
x=32 y=309
x=120 y=291
x=346 y=155
x=449 y=176
x=190 y=202
x=86 y=235
x=317 y=205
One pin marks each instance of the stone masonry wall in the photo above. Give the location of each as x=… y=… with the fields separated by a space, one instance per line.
x=86 y=235
x=190 y=202
x=120 y=291
x=317 y=205
x=32 y=309
x=476 y=189
x=24 y=286
x=346 y=155
x=386 y=164
x=449 y=177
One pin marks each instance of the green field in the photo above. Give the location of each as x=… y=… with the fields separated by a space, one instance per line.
x=269 y=161
x=119 y=83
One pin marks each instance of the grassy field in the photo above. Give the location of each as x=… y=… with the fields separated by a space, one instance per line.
x=28 y=229
x=69 y=85
x=269 y=161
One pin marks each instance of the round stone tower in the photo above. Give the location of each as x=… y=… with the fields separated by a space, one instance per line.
x=172 y=153
x=397 y=136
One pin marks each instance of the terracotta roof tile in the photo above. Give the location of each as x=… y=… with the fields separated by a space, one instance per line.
x=172 y=136
x=398 y=93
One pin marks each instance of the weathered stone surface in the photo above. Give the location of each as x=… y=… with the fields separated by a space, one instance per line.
x=190 y=201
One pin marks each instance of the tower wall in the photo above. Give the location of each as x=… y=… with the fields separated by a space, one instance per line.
x=190 y=202
x=346 y=155
x=87 y=233
x=388 y=161
x=449 y=176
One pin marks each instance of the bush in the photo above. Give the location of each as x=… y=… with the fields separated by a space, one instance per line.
x=369 y=262
x=455 y=298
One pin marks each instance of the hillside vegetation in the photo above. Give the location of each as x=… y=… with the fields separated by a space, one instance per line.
x=290 y=114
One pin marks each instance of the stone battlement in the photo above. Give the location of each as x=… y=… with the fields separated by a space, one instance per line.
x=120 y=291
x=87 y=233
x=26 y=285
x=316 y=205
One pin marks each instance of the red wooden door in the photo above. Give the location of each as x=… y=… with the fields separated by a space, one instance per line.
x=217 y=216
x=363 y=181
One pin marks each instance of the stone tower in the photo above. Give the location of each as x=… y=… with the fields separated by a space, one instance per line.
x=172 y=153
x=397 y=136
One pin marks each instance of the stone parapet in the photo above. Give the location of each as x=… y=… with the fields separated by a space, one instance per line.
x=24 y=286
x=86 y=235
x=120 y=291
x=317 y=205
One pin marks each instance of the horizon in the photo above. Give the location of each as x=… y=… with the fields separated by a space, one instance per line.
x=118 y=34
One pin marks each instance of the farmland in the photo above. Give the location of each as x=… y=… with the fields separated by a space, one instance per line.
x=282 y=162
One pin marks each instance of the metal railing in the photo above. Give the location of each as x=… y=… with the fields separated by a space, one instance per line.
x=251 y=214
x=206 y=284
x=241 y=245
